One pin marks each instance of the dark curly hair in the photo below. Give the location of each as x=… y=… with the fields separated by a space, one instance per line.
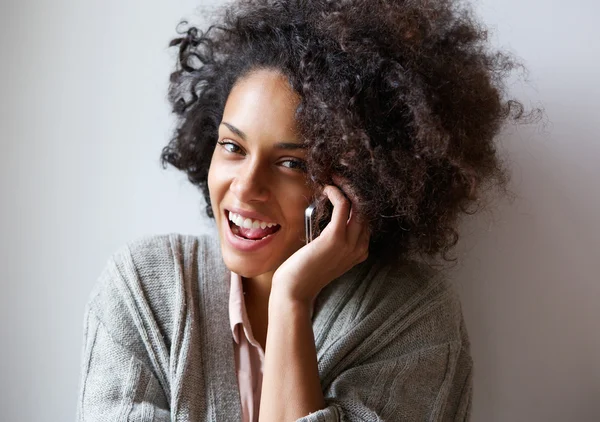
x=401 y=98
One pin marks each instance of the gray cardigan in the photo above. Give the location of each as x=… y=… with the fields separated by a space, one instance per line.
x=391 y=341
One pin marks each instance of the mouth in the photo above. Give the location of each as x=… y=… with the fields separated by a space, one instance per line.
x=250 y=230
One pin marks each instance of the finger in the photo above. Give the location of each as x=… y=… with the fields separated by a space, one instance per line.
x=341 y=209
x=346 y=187
x=355 y=221
x=355 y=226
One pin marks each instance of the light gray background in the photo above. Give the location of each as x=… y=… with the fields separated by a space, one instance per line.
x=83 y=120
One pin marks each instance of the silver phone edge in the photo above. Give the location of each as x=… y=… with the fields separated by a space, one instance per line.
x=308 y=223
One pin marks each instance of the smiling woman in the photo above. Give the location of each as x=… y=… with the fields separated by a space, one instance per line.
x=259 y=177
x=387 y=111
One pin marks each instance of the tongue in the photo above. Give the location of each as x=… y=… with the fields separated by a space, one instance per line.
x=254 y=234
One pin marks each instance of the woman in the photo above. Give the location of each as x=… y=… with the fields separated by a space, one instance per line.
x=387 y=111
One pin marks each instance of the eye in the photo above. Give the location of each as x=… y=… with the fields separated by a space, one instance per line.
x=295 y=164
x=230 y=146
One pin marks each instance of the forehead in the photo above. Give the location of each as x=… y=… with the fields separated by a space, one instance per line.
x=262 y=101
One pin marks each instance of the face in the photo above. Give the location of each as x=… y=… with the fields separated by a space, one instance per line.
x=257 y=176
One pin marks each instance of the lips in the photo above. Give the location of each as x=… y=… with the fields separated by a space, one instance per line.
x=243 y=244
x=252 y=233
x=248 y=228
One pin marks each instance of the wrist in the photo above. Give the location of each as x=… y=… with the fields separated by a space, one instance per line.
x=282 y=301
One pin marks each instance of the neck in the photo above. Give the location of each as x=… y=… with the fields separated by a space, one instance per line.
x=258 y=287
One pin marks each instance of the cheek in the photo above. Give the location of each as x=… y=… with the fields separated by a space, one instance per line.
x=215 y=178
x=296 y=201
x=215 y=185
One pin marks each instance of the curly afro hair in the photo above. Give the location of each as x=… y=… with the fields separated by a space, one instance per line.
x=402 y=98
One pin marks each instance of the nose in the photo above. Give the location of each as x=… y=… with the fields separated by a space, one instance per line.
x=250 y=183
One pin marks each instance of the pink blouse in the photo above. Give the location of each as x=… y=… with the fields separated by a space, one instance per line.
x=249 y=355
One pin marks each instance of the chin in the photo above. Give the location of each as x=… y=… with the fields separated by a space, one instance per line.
x=246 y=266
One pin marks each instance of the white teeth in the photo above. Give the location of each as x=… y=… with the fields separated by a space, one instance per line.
x=248 y=223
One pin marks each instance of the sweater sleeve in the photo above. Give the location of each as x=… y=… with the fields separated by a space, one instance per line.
x=118 y=381
x=115 y=385
x=411 y=358
x=432 y=384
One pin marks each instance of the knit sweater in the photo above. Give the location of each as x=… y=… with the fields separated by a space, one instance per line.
x=390 y=339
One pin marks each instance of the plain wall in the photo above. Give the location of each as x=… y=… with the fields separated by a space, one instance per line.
x=83 y=118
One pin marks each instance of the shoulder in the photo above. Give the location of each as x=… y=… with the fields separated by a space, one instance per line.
x=409 y=304
x=427 y=300
x=158 y=251
x=399 y=332
x=147 y=282
x=151 y=262
x=405 y=317
x=428 y=331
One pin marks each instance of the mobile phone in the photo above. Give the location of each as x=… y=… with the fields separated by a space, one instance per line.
x=312 y=227
x=309 y=222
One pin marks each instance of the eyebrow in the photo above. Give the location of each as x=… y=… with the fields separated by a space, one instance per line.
x=278 y=145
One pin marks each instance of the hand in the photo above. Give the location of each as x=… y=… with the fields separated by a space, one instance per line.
x=341 y=245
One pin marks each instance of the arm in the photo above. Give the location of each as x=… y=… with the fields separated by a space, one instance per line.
x=115 y=385
x=432 y=382
x=291 y=386
x=119 y=378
